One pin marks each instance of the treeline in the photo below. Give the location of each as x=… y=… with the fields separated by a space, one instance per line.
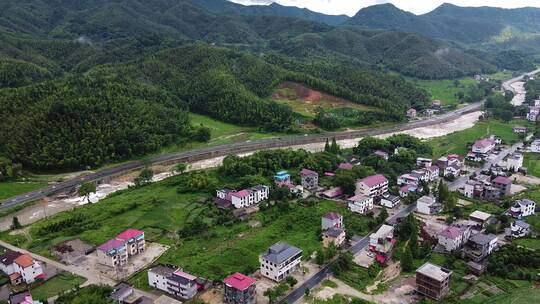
x=533 y=90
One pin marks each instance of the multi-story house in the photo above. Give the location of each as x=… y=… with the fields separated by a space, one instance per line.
x=480 y=245
x=504 y=184
x=453 y=170
x=454 y=237
x=483 y=147
x=522 y=208
x=480 y=218
x=514 y=162
x=182 y=285
x=309 y=179
x=433 y=173
x=390 y=201
x=21 y=268
x=408 y=179
x=280 y=261
x=134 y=240
x=239 y=289
x=382 y=242
x=282 y=177
x=535 y=146
x=428 y=205
x=116 y=252
x=331 y=219
x=173 y=281
x=433 y=281
x=244 y=198
x=533 y=114
x=519 y=229
x=333 y=235
x=411 y=113
x=360 y=203
x=375 y=185
x=113 y=253
x=158 y=276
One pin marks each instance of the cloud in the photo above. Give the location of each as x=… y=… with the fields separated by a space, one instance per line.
x=350 y=7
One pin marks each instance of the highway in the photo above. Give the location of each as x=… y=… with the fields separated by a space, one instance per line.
x=236 y=148
x=244 y=147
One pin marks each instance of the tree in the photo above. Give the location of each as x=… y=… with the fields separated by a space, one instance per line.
x=346 y=180
x=15 y=224
x=374 y=269
x=407 y=260
x=291 y=281
x=334 y=148
x=413 y=243
x=202 y=134
x=382 y=216
x=144 y=178
x=86 y=189
x=180 y=168
x=327 y=146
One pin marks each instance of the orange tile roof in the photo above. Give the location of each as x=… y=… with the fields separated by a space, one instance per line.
x=24 y=261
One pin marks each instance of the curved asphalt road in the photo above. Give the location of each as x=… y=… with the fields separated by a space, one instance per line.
x=236 y=148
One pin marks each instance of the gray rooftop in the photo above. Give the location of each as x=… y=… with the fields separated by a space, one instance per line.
x=280 y=252
x=435 y=272
x=482 y=239
x=162 y=270
x=522 y=224
x=334 y=232
x=525 y=202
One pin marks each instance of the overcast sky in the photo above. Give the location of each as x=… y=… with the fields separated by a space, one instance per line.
x=350 y=7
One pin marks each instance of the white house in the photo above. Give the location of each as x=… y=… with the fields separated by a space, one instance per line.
x=433 y=173
x=331 y=219
x=427 y=205
x=480 y=246
x=244 y=198
x=483 y=146
x=452 y=170
x=454 y=237
x=158 y=276
x=519 y=229
x=375 y=185
x=21 y=268
x=480 y=217
x=382 y=241
x=535 y=146
x=522 y=208
x=280 y=261
x=173 y=281
x=406 y=179
x=514 y=162
x=390 y=201
x=360 y=203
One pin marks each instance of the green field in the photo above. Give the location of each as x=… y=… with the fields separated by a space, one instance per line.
x=444 y=90
x=529 y=243
x=161 y=212
x=60 y=283
x=9 y=189
x=457 y=142
x=532 y=162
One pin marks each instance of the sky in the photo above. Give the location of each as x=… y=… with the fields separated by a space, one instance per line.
x=350 y=7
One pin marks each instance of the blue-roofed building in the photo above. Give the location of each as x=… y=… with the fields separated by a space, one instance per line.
x=282 y=177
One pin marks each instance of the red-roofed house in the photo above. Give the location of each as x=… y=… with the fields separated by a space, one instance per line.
x=453 y=238
x=239 y=289
x=346 y=166
x=375 y=185
x=405 y=190
x=483 y=146
x=113 y=253
x=411 y=113
x=134 y=240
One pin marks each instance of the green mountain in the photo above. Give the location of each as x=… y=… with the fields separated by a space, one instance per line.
x=274 y=9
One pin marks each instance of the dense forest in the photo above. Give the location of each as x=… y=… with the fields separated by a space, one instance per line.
x=86 y=83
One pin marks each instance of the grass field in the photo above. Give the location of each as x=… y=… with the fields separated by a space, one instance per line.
x=457 y=142
x=532 y=162
x=445 y=90
x=161 y=212
x=9 y=189
x=62 y=282
x=529 y=243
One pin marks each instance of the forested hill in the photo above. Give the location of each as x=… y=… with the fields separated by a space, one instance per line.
x=450 y=22
x=274 y=9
